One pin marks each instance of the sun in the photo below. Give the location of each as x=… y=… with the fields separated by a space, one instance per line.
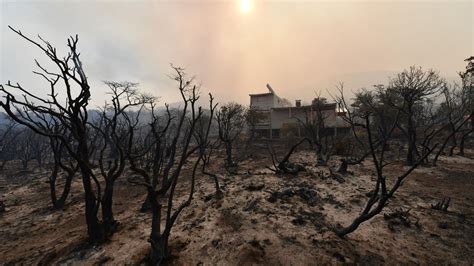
x=245 y=6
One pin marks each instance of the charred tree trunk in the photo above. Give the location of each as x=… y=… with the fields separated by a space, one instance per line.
x=443 y=146
x=59 y=203
x=319 y=154
x=109 y=222
x=94 y=228
x=343 y=167
x=453 y=146
x=228 y=151
x=52 y=187
x=411 y=140
x=216 y=181
x=463 y=141
x=284 y=166
x=159 y=248
x=452 y=135
x=24 y=164
x=39 y=160
x=67 y=188
x=146 y=206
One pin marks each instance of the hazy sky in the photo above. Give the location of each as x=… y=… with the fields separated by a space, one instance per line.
x=235 y=49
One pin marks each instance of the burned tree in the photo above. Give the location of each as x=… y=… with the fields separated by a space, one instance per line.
x=34 y=111
x=25 y=147
x=169 y=151
x=370 y=116
x=30 y=146
x=207 y=146
x=231 y=119
x=467 y=94
x=454 y=110
x=407 y=91
x=63 y=164
x=114 y=132
x=253 y=118
x=8 y=138
x=314 y=124
x=349 y=112
x=284 y=166
x=210 y=149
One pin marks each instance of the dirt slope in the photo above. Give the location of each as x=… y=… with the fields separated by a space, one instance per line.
x=262 y=219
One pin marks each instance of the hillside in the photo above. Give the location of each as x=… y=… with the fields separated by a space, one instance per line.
x=262 y=219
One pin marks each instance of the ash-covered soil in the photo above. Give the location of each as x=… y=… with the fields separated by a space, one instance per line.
x=263 y=218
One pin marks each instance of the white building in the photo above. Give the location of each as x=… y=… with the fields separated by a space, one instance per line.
x=277 y=118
